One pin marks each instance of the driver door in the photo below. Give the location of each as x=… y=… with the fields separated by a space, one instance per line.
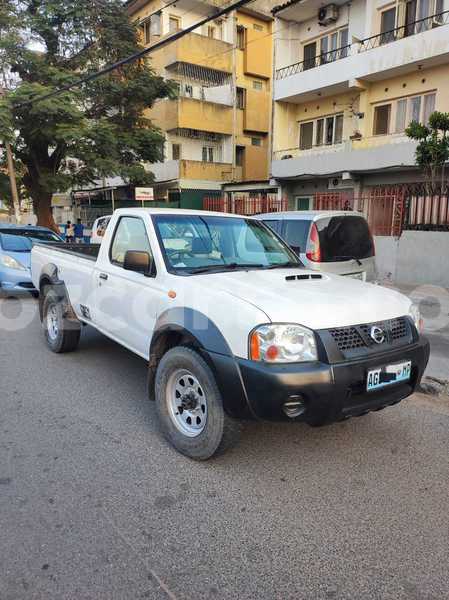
x=126 y=302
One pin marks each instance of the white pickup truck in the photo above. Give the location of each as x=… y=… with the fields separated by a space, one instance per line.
x=231 y=323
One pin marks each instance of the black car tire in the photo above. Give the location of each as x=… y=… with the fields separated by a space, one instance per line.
x=64 y=337
x=220 y=431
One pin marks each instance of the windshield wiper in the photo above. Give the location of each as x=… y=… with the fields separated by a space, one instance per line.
x=224 y=267
x=357 y=260
x=287 y=265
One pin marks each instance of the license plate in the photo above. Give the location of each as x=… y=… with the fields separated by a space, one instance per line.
x=379 y=378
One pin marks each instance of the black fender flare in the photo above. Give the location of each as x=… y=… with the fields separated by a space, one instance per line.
x=193 y=328
x=50 y=277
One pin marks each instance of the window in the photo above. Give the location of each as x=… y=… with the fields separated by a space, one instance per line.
x=215 y=243
x=326 y=130
x=334 y=46
x=382 y=119
x=208 y=154
x=306 y=135
x=174 y=23
x=130 y=234
x=310 y=56
x=152 y=27
x=257 y=85
x=319 y=128
x=275 y=225
x=387 y=25
x=241 y=37
x=176 y=151
x=338 y=130
x=295 y=234
x=401 y=115
x=239 y=156
x=415 y=108
x=188 y=90
x=256 y=141
x=240 y=98
x=258 y=27
x=429 y=107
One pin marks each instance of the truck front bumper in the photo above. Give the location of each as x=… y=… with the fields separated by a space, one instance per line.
x=330 y=392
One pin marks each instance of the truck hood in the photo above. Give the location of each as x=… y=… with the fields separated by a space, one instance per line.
x=332 y=301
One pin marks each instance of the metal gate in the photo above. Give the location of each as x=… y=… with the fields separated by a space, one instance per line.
x=383 y=207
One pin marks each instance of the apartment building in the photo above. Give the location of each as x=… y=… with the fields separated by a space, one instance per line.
x=349 y=78
x=217 y=129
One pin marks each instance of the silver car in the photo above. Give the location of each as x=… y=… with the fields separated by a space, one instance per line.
x=338 y=242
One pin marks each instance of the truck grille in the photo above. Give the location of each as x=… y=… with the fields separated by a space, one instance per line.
x=358 y=336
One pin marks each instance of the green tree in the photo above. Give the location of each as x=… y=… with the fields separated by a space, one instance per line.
x=432 y=151
x=93 y=131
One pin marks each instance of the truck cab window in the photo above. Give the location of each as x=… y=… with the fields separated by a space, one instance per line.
x=130 y=234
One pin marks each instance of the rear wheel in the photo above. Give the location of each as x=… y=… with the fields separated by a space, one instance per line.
x=190 y=407
x=61 y=328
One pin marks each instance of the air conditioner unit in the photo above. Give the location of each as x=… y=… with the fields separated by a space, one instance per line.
x=328 y=14
x=336 y=183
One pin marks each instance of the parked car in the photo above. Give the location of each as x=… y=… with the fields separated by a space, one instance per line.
x=231 y=324
x=99 y=228
x=338 y=242
x=16 y=242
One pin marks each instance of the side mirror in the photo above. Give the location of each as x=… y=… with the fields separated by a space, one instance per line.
x=139 y=262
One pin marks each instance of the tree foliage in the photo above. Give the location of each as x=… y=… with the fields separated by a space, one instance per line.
x=432 y=151
x=93 y=131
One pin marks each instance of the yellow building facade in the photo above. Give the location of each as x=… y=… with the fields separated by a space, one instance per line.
x=217 y=130
x=349 y=78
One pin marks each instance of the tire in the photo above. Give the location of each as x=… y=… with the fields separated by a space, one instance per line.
x=211 y=430
x=35 y=294
x=61 y=328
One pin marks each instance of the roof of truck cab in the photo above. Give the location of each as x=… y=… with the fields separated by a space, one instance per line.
x=177 y=211
x=308 y=215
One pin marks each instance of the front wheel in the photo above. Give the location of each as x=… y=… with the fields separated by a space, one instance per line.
x=61 y=329
x=190 y=407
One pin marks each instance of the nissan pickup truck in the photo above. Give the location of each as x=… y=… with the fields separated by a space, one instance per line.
x=232 y=325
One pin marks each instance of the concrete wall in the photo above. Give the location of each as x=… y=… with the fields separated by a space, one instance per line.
x=417 y=257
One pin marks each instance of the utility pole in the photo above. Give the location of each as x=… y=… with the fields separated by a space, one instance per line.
x=12 y=175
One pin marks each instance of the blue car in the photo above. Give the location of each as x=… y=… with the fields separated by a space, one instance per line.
x=16 y=242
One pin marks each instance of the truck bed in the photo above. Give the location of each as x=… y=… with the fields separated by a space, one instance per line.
x=89 y=251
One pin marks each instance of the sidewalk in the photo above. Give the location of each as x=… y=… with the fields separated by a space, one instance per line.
x=434 y=305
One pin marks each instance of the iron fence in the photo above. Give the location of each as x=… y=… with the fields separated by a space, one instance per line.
x=412 y=28
x=313 y=62
x=246 y=205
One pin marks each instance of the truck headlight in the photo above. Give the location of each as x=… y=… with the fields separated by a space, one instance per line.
x=11 y=263
x=415 y=314
x=282 y=343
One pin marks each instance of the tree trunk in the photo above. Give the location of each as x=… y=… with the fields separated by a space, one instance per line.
x=42 y=208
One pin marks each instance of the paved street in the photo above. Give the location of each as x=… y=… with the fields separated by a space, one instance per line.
x=95 y=505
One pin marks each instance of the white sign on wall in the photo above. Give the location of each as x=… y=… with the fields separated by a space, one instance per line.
x=144 y=194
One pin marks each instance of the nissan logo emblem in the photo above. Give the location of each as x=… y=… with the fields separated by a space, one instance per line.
x=377 y=334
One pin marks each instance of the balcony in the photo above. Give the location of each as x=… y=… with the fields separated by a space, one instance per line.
x=365 y=155
x=200 y=50
x=172 y=170
x=187 y=113
x=424 y=42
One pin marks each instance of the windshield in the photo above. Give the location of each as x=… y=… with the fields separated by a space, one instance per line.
x=34 y=235
x=343 y=238
x=193 y=243
x=14 y=243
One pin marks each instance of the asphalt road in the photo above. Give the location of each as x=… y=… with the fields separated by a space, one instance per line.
x=95 y=505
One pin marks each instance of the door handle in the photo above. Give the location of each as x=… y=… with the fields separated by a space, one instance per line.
x=103 y=276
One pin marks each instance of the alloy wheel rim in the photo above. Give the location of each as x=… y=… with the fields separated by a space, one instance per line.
x=186 y=402
x=52 y=322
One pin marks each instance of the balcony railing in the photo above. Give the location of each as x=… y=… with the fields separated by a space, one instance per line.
x=403 y=31
x=386 y=37
x=313 y=62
